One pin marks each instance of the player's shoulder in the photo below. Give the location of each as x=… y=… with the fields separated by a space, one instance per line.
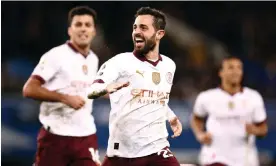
x=209 y=92
x=124 y=55
x=252 y=93
x=94 y=55
x=56 y=52
x=167 y=60
x=121 y=57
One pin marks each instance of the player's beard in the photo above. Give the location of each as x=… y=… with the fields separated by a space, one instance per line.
x=83 y=43
x=234 y=83
x=148 y=46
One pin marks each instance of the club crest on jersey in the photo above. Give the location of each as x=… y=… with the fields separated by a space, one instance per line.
x=85 y=69
x=156 y=77
x=231 y=105
x=169 y=77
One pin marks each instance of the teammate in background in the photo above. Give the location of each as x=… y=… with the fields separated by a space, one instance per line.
x=60 y=81
x=139 y=84
x=235 y=115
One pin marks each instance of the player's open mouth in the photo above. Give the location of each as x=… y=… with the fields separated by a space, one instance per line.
x=139 y=41
x=83 y=37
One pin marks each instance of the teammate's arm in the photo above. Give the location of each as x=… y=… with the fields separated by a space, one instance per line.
x=44 y=71
x=259 y=125
x=198 y=121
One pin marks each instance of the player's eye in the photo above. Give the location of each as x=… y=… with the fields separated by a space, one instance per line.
x=88 y=25
x=144 y=28
x=78 y=24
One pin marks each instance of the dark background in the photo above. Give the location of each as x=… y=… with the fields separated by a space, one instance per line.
x=199 y=35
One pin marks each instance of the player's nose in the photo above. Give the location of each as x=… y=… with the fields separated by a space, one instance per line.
x=137 y=31
x=83 y=28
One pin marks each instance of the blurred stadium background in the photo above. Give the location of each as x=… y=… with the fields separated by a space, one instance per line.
x=199 y=35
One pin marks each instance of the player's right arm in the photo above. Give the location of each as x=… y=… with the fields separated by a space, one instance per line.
x=45 y=70
x=105 y=81
x=198 y=121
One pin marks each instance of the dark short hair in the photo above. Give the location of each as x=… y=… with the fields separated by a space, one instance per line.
x=81 y=10
x=159 y=17
x=228 y=58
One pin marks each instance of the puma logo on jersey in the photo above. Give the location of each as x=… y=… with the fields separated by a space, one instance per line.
x=141 y=73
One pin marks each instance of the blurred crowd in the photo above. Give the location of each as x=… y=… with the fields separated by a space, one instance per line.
x=216 y=29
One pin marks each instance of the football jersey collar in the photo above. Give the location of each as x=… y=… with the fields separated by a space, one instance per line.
x=232 y=94
x=143 y=58
x=75 y=49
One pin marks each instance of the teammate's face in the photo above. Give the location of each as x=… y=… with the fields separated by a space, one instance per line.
x=231 y=71
x=82 y=30
x=144 y=34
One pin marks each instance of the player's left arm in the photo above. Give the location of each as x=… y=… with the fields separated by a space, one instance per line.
x=175 y=123
x=105 y=81
x=259 y=126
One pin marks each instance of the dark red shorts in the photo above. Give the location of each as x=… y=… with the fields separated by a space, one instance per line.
x=165 y=158
x=55 y=150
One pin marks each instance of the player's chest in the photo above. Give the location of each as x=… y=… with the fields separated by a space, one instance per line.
x=76 y=69
x=150 y=77
x=225 y=106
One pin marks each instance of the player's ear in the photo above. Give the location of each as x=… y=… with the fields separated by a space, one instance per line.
x=160 y=34
x=69 y=31
x=94 y=33
x=220 y=73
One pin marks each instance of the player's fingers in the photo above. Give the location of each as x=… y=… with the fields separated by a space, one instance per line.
x=113 y=90
x=175 y=135
x=76 y=107
x=120 y=86
x=79 y=106
x=81 y=99
x=208 y=140
x=126 y=84
x=176 y=132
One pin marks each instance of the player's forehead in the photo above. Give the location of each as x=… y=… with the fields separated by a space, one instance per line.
x=82 y=18
x=232 y=62
x=144 y=20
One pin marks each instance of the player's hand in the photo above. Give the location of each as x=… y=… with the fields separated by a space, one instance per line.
x=250 y=128
x=113 y=87
x=204 y=138
x=98 y=163
x=75 y=102
x=176 y=127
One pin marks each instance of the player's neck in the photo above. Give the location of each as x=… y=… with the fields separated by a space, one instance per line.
x=83 y=50
x=231 y=89
x=153 y=55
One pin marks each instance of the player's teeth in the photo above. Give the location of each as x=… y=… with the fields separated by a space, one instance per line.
x=139 y=39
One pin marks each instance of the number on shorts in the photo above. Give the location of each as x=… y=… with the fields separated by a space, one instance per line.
x=165 y=153
x=95 y=155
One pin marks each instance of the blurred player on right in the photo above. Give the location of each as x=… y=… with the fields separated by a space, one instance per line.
x=235 y=115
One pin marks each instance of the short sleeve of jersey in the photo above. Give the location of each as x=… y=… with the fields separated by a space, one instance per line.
x=199 y=106
x=109 y=71
x=174 y=68
x=47 y=67
x=170 y=113
x=259 y=114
